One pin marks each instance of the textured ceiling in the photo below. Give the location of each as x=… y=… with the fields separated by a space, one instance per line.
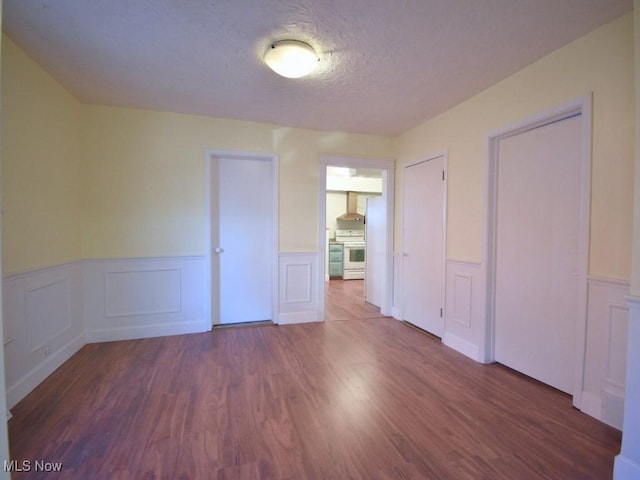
x=386 y=65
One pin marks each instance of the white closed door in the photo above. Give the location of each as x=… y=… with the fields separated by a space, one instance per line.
x=423 y=245
x=537 y=251
x=242 y=232
x=376 y=235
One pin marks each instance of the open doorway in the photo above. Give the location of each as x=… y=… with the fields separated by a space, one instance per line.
x=356 y=237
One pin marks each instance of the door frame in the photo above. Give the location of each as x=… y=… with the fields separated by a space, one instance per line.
x=579 y=106
x=388 y=183
x=445 y=156
x=211 y=230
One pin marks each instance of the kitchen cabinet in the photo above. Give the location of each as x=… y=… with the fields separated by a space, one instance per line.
x=335 y=260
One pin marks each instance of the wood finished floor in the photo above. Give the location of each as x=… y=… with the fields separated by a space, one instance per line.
x=364 y=399
x=344 y=300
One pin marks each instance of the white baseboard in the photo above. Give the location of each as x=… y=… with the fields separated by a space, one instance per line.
x=605 y=350
x=613 y=407
x=146 y=331
x=591 y=404
x=396 y=312
x=288 y=318
x=462 y=346
x=32 y=379
x=625 y=469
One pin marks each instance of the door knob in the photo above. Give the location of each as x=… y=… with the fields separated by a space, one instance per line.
x=218 y=250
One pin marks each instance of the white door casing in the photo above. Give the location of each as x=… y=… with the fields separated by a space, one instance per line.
x=388 y=172
x=242 y=236
x=424 y=241
x=581 y=109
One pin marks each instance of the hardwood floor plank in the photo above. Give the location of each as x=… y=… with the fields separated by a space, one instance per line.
x=361 y=398
x=345 y=300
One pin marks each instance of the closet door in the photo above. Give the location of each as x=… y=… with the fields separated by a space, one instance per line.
x=423 y=245
x=537 y=251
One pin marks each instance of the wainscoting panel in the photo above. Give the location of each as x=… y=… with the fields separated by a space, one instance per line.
x=606 y=350
x=627 y=463
x=144 y=297
x=42 y=325
x=461 y=311
x=298 y=288
x=50 y=301
x=122 y=292
x=464 y=307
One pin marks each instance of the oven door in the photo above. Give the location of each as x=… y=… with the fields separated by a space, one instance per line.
x=354 y=257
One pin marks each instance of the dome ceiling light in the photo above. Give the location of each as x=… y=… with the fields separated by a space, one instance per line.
x=291 y=58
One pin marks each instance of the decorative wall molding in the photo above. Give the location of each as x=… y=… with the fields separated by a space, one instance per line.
x=462 y=290
x=19 y=389
x=50 y=301
x=126 y=298
x=43 y=324
x=627 y=464
x=603 y=387
x=122 y=292
x=298 y=288
x=464 y=307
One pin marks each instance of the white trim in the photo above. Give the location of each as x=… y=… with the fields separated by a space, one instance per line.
x=471 y=263
x=388 y=186
x=633 y=302
x=579 y=106
x=461 y=345
x=445 y=156
x=143 y=331
x=591 y=404
x=627 y=463
x=145 y=259
x=34 y=377
x=109 y=274
x=609 y=282
x=398 y=265
x=40 y=270
x=209 y=208
x=290 y=318
x=462 y=322
x=625 y=468
x=146 y=313
x=297 y=289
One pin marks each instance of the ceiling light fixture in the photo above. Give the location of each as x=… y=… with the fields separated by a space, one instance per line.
x=291 y=58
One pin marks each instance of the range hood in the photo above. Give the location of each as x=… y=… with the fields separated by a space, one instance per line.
x=352 y=209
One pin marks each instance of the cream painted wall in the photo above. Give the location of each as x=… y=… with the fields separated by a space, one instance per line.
x=135 y=178
x=4 y=434
x=143 y=178
x=602 y=62
x=299 y=176
x=40 y=166
x=96 y=181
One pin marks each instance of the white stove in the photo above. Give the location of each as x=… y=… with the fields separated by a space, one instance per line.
x=354 y=253
x=350 y=236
